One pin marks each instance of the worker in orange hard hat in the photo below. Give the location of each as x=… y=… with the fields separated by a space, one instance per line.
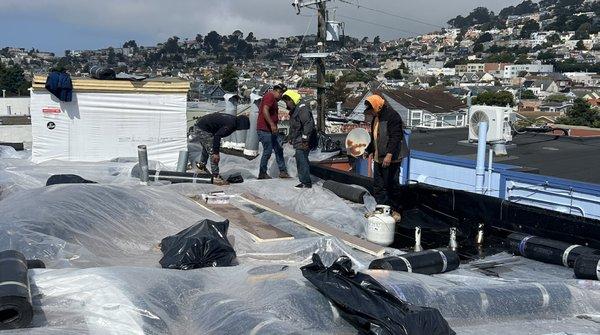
x=387 y=148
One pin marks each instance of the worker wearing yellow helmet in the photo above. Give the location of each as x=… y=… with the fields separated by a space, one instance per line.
x=303 y=134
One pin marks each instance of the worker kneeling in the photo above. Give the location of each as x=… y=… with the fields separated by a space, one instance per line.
x=303 y=134
x=208 y=132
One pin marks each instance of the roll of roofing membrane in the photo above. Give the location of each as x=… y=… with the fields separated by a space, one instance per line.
x=15 y=297
x=506 y=300
x=425 y=262
x=546 y=250
x=345 y=191
x=180 y=177
x=587 y=267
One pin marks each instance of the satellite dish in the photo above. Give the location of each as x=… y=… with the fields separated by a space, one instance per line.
x=357 y=142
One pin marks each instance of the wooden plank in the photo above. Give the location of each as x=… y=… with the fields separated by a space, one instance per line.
x=258 y=229
x=320 y=228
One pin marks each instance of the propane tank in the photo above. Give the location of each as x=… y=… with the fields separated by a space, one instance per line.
x=381 y=226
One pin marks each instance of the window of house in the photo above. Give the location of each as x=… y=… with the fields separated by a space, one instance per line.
x=415 y=119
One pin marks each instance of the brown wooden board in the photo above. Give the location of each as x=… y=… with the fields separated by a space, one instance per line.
x=320 y=228
x=259 y=230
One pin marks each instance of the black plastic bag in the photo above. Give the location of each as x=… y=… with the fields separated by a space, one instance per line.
x=368 y=306
x=67 y=179
x=204 y=244
x=235 y=178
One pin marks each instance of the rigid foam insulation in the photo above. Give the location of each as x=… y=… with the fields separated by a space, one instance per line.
x=546 y=250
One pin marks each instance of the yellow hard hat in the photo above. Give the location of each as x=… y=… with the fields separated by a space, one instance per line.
x=293 y=95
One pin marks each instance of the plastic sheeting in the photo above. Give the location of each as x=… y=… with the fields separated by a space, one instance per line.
x=100 y=126
x=100 y=244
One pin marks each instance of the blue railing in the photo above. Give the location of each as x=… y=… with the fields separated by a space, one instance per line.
x=504 y=182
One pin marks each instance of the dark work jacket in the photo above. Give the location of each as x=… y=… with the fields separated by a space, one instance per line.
x=302 y=126
x=390 y=137
x=220 y=125
x=60 y=85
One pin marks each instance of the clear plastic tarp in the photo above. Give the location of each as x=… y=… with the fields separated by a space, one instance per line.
x=100 y=244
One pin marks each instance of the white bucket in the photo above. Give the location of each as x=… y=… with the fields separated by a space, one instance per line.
x=381 y=226
x=357 y=142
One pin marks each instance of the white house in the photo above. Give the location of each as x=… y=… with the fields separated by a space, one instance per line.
x=513 y=70
x=421 y=108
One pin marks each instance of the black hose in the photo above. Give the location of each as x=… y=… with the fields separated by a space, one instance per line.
x=345 y=191
x=15 y=295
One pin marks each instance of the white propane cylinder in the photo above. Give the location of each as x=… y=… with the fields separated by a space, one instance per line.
x=381 y=226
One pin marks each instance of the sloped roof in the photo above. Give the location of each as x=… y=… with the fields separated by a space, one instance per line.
x=434 y=101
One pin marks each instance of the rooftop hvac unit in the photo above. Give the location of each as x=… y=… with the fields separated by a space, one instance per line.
x=498 y=120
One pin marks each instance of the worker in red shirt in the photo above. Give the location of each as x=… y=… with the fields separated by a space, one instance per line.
x=268 y=134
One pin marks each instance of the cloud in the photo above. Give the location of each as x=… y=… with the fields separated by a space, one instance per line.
x=152 y=21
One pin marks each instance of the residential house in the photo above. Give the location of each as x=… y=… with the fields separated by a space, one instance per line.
x=211 y=93
x=542 y=87
x=555 y=107
x=584 y=78
x=512 y=71
x=592 y=98
x=421 y=108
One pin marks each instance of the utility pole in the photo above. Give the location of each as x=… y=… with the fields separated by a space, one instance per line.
x=320 y=56
x=321 y=38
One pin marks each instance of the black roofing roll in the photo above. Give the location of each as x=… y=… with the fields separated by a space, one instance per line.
x=345 y=191
x=546 y=250
x=506 y=300
x=587 y=267
x=67 y=179
x=15 y=297
x=425 y=262
x=176 y=177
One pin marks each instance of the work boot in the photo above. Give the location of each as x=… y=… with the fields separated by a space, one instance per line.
x=284 y=175
x=303 y=186
x=217 y=180
x=396 y=216
x=264 y=176
x=201 y=168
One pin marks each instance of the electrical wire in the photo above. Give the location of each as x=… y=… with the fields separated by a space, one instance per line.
x=379 y=25
x=302 y=42
x=390 y=14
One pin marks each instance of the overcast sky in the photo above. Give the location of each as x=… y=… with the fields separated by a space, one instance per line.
x=56 y=25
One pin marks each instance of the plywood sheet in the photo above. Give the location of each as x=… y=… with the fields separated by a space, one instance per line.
x=320 y=228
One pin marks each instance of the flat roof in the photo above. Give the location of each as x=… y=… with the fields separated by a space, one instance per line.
x=572 y=158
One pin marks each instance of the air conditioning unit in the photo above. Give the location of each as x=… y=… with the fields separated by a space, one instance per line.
x=498 y=120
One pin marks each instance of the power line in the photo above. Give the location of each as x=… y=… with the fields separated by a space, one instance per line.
x=379 y=25
x=390 y=14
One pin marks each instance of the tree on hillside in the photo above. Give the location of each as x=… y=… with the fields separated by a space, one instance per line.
x=12 y=79
x=199 y=39
x=528 y=94
x=393 y=74
x=525 y=7
x=130 y=44
x=501 y=98
x=485 y=37
x=112 y=58
x=337 y=92
x=478 y=47
x=250 y=37
x=479 y=15
x=212 y=42
x=580 y=45
x=376 y=40
x=528 y=28
x=581 y=114
x=229 y=79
